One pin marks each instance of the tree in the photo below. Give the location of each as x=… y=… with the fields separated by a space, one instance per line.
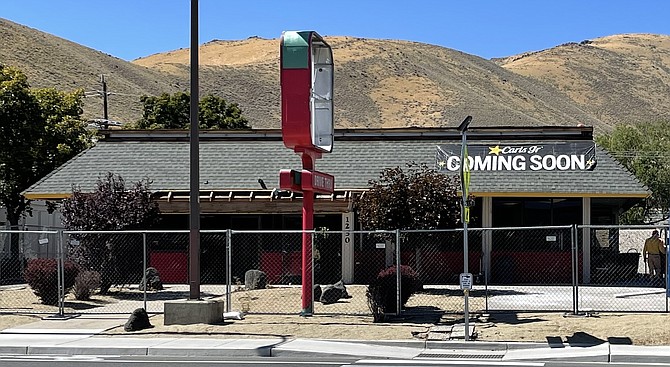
x=112 y=206
x=643 y=150
x=39 y=130
x=418 y=198
x=173 y=112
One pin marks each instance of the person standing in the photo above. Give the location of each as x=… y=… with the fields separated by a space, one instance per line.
x=653 y=249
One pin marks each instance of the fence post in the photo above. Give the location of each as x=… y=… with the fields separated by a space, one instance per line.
x=144 y=268
x=397 y=272
x=575 y=270
x=229 y=270
x=60 y=265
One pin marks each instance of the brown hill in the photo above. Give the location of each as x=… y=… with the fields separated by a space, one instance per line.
x=50 y=61
x=621 y=78
x=379 y=83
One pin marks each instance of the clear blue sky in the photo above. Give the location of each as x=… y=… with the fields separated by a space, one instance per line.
x=129 y=29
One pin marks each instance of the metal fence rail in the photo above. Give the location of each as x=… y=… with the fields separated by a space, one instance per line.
x=560 y=268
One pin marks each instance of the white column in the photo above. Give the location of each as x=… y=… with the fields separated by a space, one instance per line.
x=586 y=240
x=347 y=248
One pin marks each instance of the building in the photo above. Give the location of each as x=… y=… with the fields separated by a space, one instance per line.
x=520 y=176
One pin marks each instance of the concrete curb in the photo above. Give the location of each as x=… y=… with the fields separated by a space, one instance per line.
x=596 y=353
x=639 y=354
x=302 y=347
x=50 y=344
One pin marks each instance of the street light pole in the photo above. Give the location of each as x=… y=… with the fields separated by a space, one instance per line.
x=465 y=213
x=194 y=197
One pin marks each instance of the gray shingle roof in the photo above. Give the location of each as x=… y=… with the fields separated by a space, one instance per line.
x=234 y=164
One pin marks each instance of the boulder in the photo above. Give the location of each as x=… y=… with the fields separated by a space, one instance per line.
x=330 y=294
x=255 y=279
x=153 y=280
x=138 y=320
x=340 y=285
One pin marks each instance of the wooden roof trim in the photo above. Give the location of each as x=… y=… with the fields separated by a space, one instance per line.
x=252 y=195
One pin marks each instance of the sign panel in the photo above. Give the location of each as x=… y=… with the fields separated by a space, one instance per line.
x=466 y=281
x=560 y=156
x=318 y=182
x=306 y=80
x=290 y=179
x=306 y=180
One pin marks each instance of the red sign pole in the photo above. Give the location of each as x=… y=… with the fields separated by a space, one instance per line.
x=306 y=80
x=307 y=227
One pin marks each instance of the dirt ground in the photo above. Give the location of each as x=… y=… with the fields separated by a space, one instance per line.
x=622 y=328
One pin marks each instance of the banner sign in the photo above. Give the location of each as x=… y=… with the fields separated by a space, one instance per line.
x=563 y=156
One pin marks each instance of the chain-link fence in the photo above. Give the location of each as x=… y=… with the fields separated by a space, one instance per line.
x=352 y=258
x=620 y=278
x=560 y=268
x=18 y=250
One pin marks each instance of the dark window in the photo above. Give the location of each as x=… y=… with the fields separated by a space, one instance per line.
x=531 y=212
x=535 y=212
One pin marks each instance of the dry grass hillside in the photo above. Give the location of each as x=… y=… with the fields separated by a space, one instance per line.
x=378 y=83
x=382 y=83
x=621 y=78
x=50 y=61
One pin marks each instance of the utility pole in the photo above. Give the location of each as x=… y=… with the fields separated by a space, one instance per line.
x=194 y=173
x=104 y=102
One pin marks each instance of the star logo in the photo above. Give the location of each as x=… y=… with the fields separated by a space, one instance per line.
x=495 y=150
x=441 y=164
x=591 y=164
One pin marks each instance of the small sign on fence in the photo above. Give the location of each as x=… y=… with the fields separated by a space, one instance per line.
x=466 y=281
x=43 y=241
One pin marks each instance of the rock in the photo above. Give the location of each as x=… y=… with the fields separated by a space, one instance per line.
x=255 y=279
x=153 y=280
x=233 y=315
x=317 y=292
x=330 y=294
x=138 y=320
x=340 y=285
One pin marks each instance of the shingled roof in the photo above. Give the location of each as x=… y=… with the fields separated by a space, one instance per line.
x=237 y=160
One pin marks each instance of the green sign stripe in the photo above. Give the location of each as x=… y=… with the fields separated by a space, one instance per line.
x=295 y=50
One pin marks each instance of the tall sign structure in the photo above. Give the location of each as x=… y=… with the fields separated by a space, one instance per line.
x=306 y=62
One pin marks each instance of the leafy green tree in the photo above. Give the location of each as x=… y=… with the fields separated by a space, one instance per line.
x=39 y=130
x=112 y=206
x=644 y=149
x=215 y=113
x=417 y=198
x=65 y=133
x=173 y=112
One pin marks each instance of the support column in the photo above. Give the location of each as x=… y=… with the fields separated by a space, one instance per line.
x=487 y=237
x=348 y=248
x=586 y=241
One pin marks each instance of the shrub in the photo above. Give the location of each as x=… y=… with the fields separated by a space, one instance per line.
x=382 y=292
x=85 y=283
x=112 y=206
x=42 y=276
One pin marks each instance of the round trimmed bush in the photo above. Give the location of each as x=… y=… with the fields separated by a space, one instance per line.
x=42 y=276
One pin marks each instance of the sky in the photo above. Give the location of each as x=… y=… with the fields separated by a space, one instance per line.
x=130 y=29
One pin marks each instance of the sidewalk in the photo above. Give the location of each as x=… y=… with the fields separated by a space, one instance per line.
x=81 y=336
